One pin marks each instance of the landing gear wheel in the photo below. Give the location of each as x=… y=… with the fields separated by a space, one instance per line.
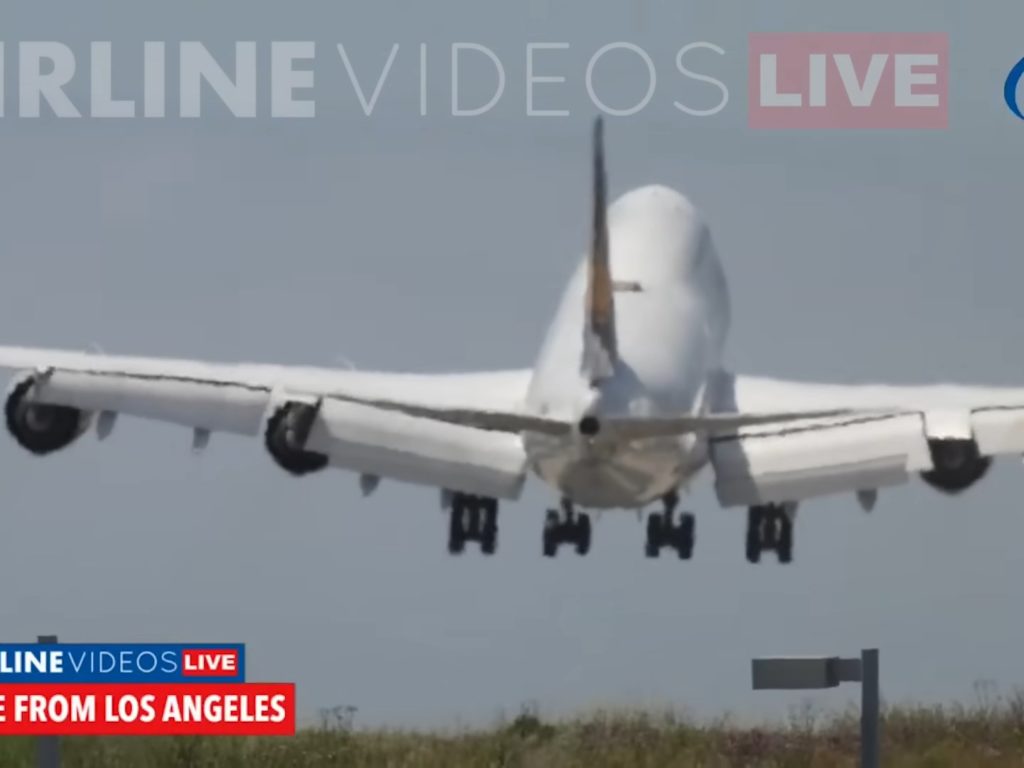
x=583 y=534
x=488 y=541
x=473 y=518
x=770 y=527
x=663 y=532
x=551 y=534
x=489 y=532
x=686 y=531
x=785 y=541
x=566 y=527
x=652 y=547
x=755 y=520
x=456 y=535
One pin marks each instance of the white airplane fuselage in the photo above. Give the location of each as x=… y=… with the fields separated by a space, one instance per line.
x=672 y=317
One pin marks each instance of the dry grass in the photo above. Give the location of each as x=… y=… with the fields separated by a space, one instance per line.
x=990 y=733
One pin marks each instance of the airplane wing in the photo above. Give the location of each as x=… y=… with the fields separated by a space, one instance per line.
x=307 y=417
x=880 y=436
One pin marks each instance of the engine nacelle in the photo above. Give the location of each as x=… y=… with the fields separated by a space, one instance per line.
x=285 y=435
x=42 y=428
x=957 y=465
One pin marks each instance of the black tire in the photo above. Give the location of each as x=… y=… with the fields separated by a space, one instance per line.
x=785 y=545
x=489 y=542
x=490 y=508
x=755 y=517
x=652 y=547
x=772 y=528
x=687 y=529
x=489 y=536
x=654 y=529
x=551 y=534
x=456 y=545
x=582 y=534
x=489 y=529
x=753 y=553
x=456 y=536
x=550 y=544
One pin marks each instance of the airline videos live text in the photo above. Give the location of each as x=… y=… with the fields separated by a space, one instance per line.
x=71 y=689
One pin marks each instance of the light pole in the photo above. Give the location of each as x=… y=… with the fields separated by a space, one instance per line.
x=48 y=747
x=812 y=672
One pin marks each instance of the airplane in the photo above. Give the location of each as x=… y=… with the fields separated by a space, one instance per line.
x=628 y=402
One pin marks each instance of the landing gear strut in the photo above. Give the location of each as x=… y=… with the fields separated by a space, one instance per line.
x=473 y=518
x=569 y=527
x=663 y=532
x=770 y=527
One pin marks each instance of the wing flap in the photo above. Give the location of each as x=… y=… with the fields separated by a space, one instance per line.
x=818 y=458
x=420 y=451
x=883 y=440
x=999 y=430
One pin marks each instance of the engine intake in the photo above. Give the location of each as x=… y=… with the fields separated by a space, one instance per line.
x=957 y=465
x=287 y=430
x=42 y=428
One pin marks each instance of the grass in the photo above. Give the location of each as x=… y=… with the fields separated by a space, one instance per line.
x=990 y=733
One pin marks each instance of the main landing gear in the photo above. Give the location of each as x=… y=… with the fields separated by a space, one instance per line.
x=569 y=527
x=770 y=527
x=663 y=532
x=473 y=518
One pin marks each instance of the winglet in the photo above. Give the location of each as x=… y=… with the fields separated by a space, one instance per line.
x=600 y=348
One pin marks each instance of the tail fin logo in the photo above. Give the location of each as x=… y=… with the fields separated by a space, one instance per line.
x=600 y=348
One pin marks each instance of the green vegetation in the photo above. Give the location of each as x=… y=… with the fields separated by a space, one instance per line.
x=960 y=737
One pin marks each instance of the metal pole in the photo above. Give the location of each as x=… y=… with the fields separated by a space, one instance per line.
x=48 y=747
x=869 y=709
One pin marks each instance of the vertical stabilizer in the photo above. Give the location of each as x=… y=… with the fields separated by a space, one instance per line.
x=600 y=351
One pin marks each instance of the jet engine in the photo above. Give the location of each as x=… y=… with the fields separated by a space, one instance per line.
x=286 y=432
x=957 y=465
x=42 y=428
